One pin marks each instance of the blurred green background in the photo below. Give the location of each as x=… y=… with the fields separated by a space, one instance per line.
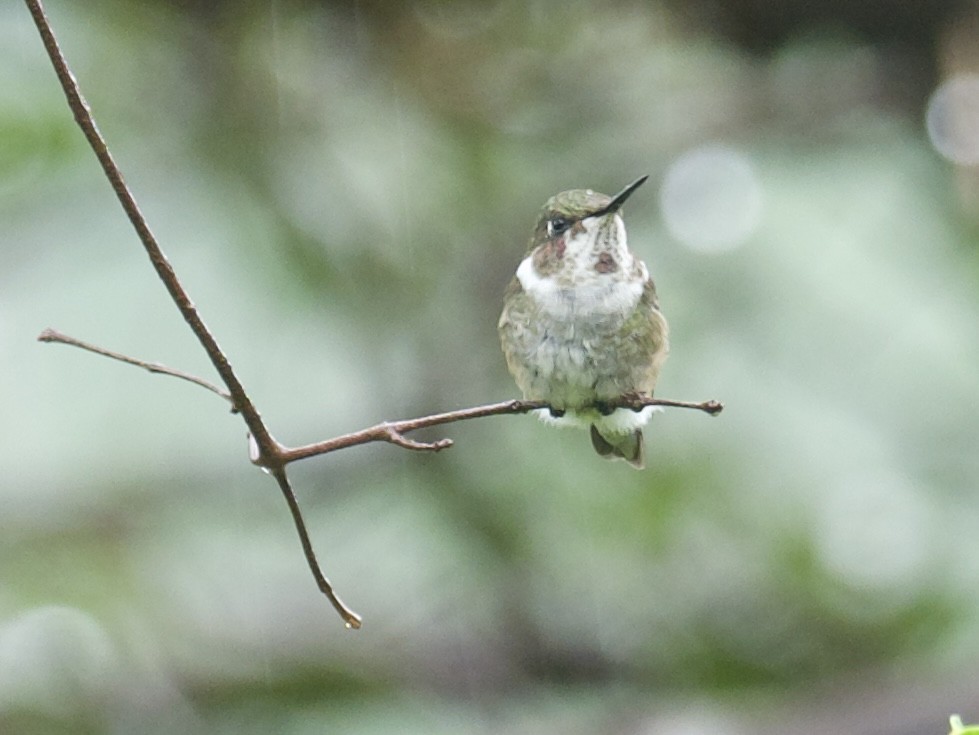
x=346 y=188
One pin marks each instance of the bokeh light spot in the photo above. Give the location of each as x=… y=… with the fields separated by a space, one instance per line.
x=874 y=532
x=952 y=119
x=54 y=659
x=711 y=198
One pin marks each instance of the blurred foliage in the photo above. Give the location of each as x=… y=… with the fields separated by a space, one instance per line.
x=959 y=729
x=345 y=189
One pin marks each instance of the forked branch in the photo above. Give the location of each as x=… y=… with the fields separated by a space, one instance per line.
x=267 y=447
x=392 y=432
x=264 y=450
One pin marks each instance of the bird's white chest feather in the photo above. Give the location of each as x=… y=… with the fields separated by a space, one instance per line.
x=573 y=356
x=594 y=297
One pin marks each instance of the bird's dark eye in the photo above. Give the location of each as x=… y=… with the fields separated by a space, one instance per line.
x=557 y=226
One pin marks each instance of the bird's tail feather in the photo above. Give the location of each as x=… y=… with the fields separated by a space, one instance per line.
x=620 y=446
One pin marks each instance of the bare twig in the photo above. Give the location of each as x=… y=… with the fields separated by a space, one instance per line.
x=394 y=431
x=83 y=116
x=350 y=618
x=264 y=450
x=51 y=335
x=267 y=447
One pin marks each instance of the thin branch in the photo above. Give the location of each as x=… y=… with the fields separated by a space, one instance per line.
x=264 y=450
x=350 y=618
x=83 y=116
x=267 y=447
x=51 y=335
x=394 y=431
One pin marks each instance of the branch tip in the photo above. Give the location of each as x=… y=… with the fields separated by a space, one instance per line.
x=52 y=335
x=394 y=436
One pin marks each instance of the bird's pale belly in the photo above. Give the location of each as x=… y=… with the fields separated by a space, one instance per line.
x=570 y=370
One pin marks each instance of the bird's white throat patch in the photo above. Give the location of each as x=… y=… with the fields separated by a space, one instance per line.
x=580 y=292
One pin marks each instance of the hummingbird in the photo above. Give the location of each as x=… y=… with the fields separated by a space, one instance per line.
x=581 y=326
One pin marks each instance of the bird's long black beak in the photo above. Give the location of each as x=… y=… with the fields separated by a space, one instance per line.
x=619 y=199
